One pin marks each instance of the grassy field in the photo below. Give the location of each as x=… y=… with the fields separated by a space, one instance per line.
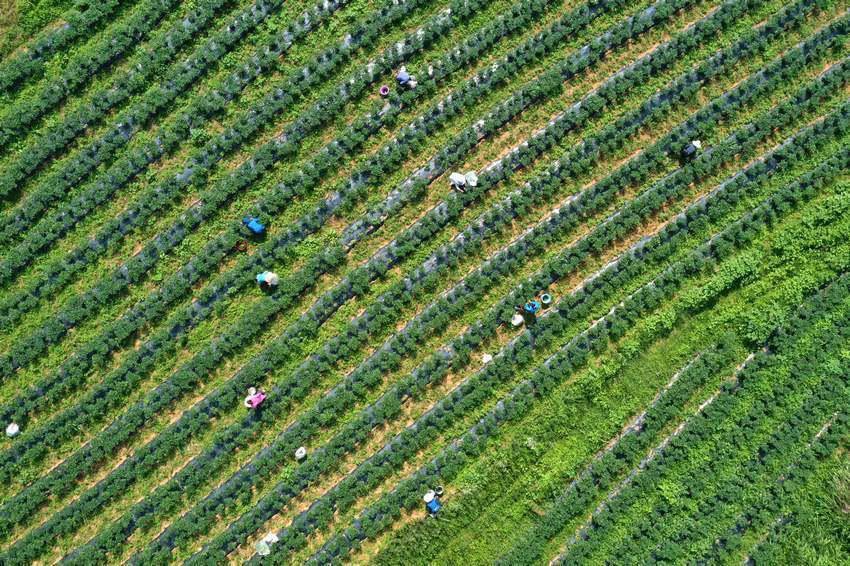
x=683 y=399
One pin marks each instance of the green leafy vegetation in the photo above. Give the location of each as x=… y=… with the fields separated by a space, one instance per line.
x=680 y=396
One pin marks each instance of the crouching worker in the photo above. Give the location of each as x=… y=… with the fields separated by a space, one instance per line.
x=690 y=151
x=405 y=79
x=267 y=280
x=254 y=398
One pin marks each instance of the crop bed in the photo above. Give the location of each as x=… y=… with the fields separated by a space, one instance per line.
x=683 y=398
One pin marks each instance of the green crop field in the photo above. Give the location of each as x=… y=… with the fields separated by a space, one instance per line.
x=425 y=282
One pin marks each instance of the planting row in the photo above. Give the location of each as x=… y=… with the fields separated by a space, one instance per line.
x=366 y=376
x=773 y=500
x=601 y=475
x=169 y=134
x=276 y=248
x=759 y=473
x=61 y=272
x=664 y=411
x=378 y=314
x=602 y=520
x=331 y=299
x=438 y=364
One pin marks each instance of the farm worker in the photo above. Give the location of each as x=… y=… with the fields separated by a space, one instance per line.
x=255 y=398
x=405 y=79
x=254 y=225
x=531 y=307
x=251 y=392
x=268 y=279
x=432 y=505
x=458 y=182
x=691 y=150
x=12 y=430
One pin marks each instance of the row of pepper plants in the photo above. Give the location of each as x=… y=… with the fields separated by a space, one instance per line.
x=378 y=313
x=780 y=362
x=272 y=246
x=63 y=381
x=60 y=273
x=789 y=452
x=798 y=515
x=121 y=37
x=170 y=134
x=603 y=474
x=45 y=388
x=778 y=497
x=734 y=192
x=665 y=411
